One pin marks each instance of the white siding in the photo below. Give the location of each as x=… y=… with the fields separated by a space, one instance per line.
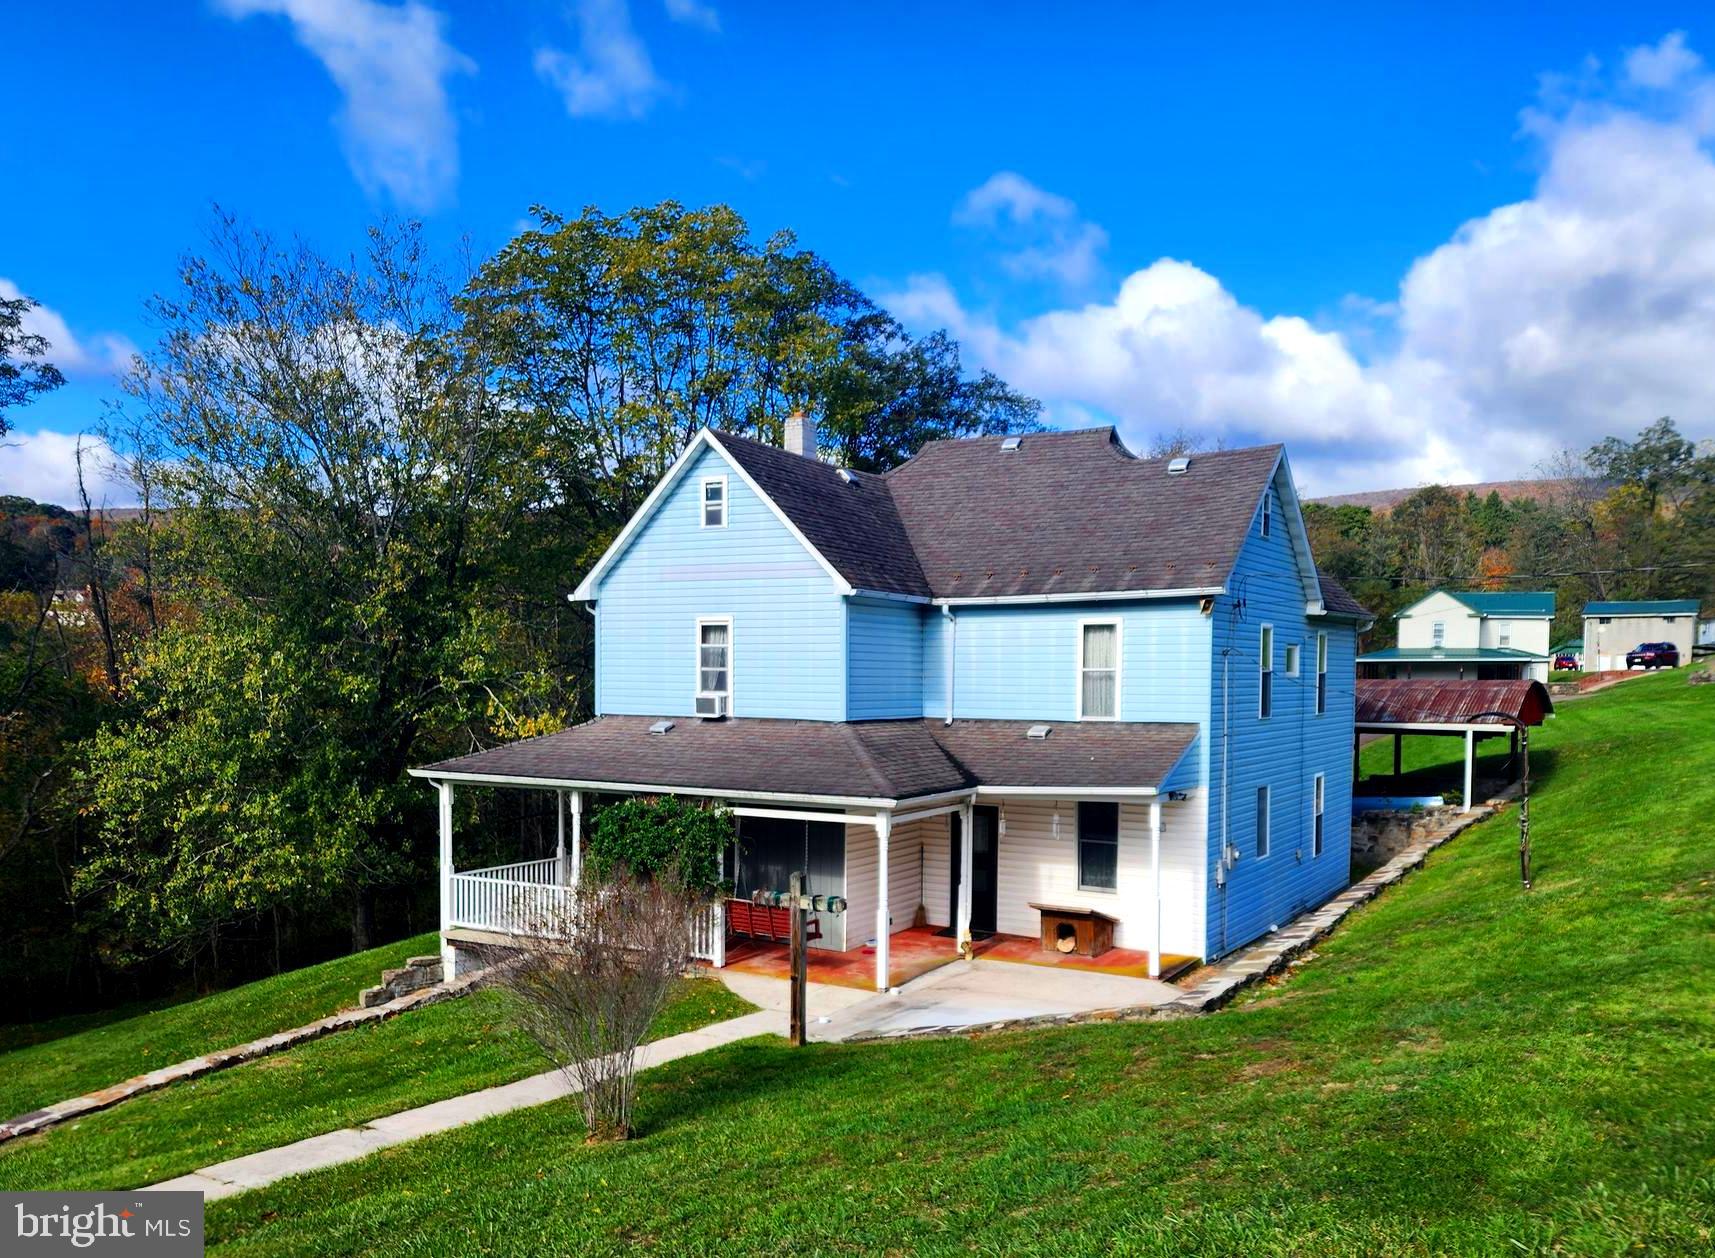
x=903 y=885
x=1034 y=866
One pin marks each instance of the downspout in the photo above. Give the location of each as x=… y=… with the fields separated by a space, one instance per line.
x=952 y=648
x=1226 y=778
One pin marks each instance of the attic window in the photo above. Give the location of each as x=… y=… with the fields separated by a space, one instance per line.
x=1037 y=731
x=1011 y=444
x=714 y=502
x=1179 y=466
x=660 y=727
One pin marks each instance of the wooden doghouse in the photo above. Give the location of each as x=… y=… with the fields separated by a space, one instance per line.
x=1084 y=931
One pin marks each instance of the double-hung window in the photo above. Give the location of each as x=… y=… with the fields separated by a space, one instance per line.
x=1099 y=670
x=1316 y=796
x=714 y=502
x=714 y=667
x=1265 y=663
x=1098 y=846
x=1321 y=673
x=1262 y=835
x=1438 y=635
x=1505 y=629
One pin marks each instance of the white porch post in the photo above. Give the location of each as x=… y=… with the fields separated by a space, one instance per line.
x=883 y=919
x=1470 y=760
x=966 y=847
x=448 y=961
x=1155 y=882
x=577 y=801
x=560 y=837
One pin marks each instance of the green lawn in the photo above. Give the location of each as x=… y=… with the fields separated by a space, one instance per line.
x=66 y=1057
x=425 y=1055
x=1463 y=1067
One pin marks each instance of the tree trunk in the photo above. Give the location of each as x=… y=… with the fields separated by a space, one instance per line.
x=362 y=919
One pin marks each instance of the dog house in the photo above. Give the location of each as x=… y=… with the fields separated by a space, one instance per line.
x=1084 y=931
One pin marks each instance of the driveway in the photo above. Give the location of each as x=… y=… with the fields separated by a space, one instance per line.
x=974 y=993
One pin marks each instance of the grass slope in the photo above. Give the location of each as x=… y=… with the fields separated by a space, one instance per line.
x=1463 y=1068
x=69 y=1056
x=346 y=1079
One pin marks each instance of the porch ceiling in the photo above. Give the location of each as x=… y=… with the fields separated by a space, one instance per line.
x=877 y=761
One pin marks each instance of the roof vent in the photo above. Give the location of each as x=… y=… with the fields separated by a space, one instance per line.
x=1037 y=731
x=1011 y=444
x=847 y=476
x=660 y=727
x=1179 y=466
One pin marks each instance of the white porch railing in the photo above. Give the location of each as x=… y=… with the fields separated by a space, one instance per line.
x=523 y=897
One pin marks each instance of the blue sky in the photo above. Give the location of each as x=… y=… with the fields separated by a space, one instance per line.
x=1435 y=242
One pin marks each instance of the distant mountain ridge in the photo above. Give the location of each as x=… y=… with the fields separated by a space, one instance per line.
x=1546 y=490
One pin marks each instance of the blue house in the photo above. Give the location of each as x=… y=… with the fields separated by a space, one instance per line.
x=1016 y=688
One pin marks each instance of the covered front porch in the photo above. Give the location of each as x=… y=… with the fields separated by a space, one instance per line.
x=989 y=868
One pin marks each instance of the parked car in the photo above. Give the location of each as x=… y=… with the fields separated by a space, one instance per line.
x=1565 y=661
x=1653 y=655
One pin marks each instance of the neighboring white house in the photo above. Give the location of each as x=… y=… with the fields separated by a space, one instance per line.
x=1612 y=629
x=1469 y=636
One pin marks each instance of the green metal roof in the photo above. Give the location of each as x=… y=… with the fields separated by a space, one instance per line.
x=1505 y=602
x=1644 y=607
x=1569 y=647
x=1447 y=655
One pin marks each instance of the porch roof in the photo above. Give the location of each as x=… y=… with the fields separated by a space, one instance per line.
x=869 y=761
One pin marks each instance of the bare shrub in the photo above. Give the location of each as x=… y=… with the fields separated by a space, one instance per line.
x=593 y=974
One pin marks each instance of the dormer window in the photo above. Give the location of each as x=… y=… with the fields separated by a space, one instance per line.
x=714 y=502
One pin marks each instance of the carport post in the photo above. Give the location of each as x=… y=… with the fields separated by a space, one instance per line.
x=1155 y=881
x=1470 y=762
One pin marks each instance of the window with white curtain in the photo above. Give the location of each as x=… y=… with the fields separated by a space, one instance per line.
x=1099 y=670
x=714 y=658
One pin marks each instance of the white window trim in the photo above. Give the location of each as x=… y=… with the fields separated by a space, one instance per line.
x=703 y=502
x=1264 y=664
x=1290 y=658
x=1119 y=666
x=1437 y=634
x=1321 y=672
x=1265 y=822
x=697 y=690
x=1318 y=809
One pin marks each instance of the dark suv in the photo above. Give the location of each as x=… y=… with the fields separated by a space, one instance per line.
x=1653 y=655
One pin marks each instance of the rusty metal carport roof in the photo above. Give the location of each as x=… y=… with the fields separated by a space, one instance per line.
x=1449 y=705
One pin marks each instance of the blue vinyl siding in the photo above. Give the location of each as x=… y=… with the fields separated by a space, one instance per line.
x=1283 y=752
x=1021 y=663
x=884 y=654
x=788 y=619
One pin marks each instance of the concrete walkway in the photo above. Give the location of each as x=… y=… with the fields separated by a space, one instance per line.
x=223 y=1179
x=980 y=993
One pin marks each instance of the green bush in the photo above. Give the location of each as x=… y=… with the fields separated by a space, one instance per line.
x=651 y=834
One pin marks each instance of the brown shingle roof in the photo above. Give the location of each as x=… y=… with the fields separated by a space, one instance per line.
x=1065 y=513
x=1450 y=702
x=1336 y=599
x=1073 y=513
x=867 y=759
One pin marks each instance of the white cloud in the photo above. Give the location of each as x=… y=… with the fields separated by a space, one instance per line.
x=43 y=465
x=1041 y=233
x=102 y=354
x=610 y=75
x=1586 y=310
x=695 y=13
x=1664 y=64
x=391 y=62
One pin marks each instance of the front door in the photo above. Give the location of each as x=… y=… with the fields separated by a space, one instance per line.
x=985 y=863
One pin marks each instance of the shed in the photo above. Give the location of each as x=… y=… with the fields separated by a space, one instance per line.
x=1473 y=709
x=1613 y=628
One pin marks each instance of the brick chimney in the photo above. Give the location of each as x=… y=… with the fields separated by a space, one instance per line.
x=801 y=435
